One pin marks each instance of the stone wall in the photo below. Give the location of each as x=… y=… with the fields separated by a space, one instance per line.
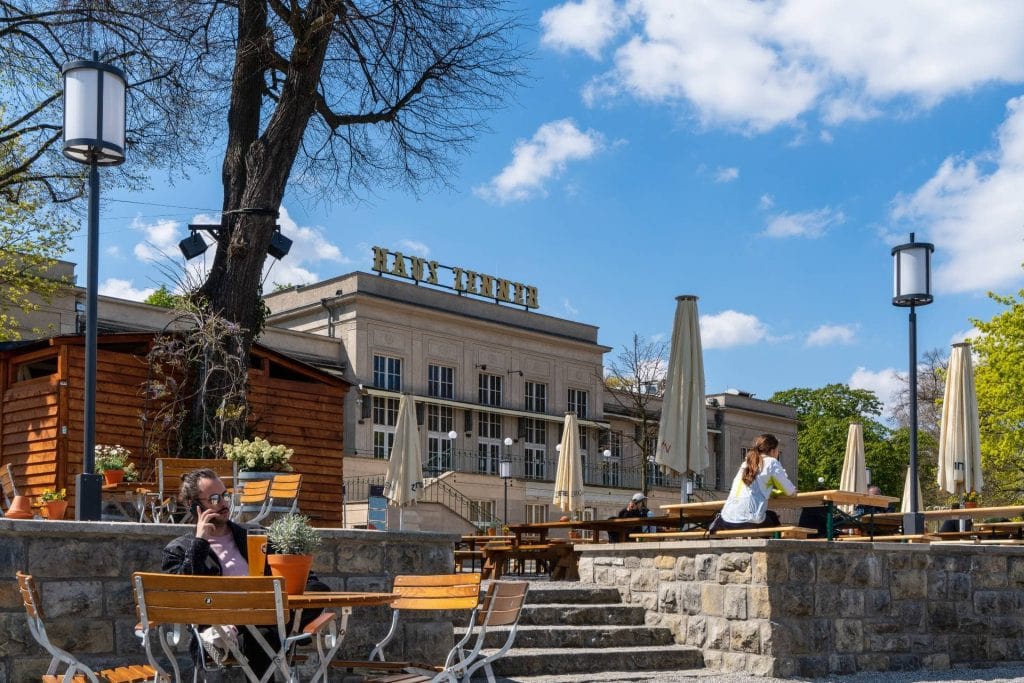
x=811 y=608
x=84 y=569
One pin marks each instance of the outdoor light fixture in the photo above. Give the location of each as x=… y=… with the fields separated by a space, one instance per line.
x=912 y=287
x=606 y=453
x=279 y=245
x=194 y=244
x=453 y=435
x=94 y=134
x=505 y=472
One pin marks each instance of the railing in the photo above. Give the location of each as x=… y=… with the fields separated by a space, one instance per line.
x=357 y=489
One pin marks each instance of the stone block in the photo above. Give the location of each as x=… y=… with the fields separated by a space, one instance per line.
x=1015 y=571
x=759 y=604
x=80 y=636
x=10 y=595
x=994 y=603
x=942 y=617
x=877 y=602
x=733 y=663
x=712 y=598
x=886 y=642
x=713 y=660
x=664 y=562
x=706 y=568
x=118 y=598
x=959 y=586
x=696 y=631
x=812 y=667
x=15 y=638
x=909 y=584
x=833 y=567
x=851 y=603
x=989 y=571
x=997 y=649
x=668 y=597
x=844 y=665
x=767 y=636
x=935 y=661
x=848 y=636
x=690 y=598
x=801 y=568
x=632 y=562
x=644 y=580
x=734 y=605
x=874 y=661
x=684 y=569
x=760 y=666
x=74 y=554
x=370 y=584
x=717 y=634
x=12 y=556
x=69 y=598
x=734 y=568
x=938 y=584
x=904 y=661
x=796 y=600
x=745 y=636
x=362 y=559
x=827 y=600
x=909 y=613
x=586 y=570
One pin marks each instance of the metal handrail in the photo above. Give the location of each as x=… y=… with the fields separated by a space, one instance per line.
x=357 y=489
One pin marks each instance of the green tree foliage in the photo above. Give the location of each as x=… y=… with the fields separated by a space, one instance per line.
x=825 y=415
x=163 y=298
x=30 y=241
x=999 y=379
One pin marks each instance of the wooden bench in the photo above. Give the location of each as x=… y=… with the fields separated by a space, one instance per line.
x=760 y=532
x=893 y=538
x=470 y=556
x=551 y=554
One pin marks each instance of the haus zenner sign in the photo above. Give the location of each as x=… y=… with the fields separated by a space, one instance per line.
x=463 y=280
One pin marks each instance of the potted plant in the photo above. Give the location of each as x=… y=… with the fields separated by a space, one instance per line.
x=292 y=542
x=55 y=502
x=257 y=458
x=971 y=499
x=111 y=461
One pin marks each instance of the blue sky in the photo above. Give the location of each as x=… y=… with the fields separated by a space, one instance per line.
x=764 y=156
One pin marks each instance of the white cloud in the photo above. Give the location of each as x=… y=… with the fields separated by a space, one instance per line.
x=885 y=383
x=727 y=175
x=161 y=240
x=757 y=65
x=570 y=310
x=123 y=289
x=766 y=202
x=414 y=247
x=971 y=209
x=828 y=335
x=113 y=251
x=812 y=224
x=540 y=159
x=966 y=335
x=310 y=246
x=587 y=25
x=731 y=328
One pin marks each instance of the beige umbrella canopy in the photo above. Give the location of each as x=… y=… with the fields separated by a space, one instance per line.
x=959 y=437
x=854 y=476
x=569 y=475
x=404 y=479
x=905 y=503
x=683 y=429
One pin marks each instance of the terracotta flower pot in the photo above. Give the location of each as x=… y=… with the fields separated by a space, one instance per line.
x=294 y=569
x=113 y=476
x=21 y=508
x=55 y=509
x=971 y=504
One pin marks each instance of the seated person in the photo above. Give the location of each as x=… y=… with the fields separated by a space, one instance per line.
x=217 y=547
x=861 y=510
x=636 y=507
x=759 y=475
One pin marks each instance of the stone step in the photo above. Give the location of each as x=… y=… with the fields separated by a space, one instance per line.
x=580 y=636
x=571 y=593
x=578 y=615
x=563 y=661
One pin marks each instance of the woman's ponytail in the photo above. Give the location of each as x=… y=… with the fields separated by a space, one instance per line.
x=763 y=445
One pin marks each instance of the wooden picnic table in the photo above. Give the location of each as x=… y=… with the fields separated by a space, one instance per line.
x=129 y=497
x=828 y=499
x=962 y=513
x=466 y=548
x=560 y=557
x=622 y=525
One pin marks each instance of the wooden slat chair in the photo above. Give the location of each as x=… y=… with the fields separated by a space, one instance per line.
x=75 y=670
x=502 y=607
x=420 y=593
x=166 y=601
x=163 y=504
x=283 y=498
x=10 y=489
x=250 y=501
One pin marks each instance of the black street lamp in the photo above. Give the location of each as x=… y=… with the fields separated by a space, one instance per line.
x=94 y=134
x=912 y=287
x=505 y=471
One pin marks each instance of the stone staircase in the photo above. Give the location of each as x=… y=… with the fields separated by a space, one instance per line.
x=576 y=631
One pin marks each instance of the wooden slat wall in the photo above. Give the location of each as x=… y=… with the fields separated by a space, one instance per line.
x=30 y=433
x=307 y=417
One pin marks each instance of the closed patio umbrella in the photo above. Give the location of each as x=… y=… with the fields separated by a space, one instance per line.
x=905 y=503
x=404 y=479
x=959 y=437
x=683 y=429
x=569 y=475
x=854 y=476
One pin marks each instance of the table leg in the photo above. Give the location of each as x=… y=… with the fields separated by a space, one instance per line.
x=829 y=520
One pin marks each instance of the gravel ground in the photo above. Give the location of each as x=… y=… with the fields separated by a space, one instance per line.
x=1001 y=674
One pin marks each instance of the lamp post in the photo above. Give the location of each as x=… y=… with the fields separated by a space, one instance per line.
x=94 y=134
x=505 y=471
x=452 y=435
x=912 y=287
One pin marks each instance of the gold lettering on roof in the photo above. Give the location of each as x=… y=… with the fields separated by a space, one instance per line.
x=464 y=281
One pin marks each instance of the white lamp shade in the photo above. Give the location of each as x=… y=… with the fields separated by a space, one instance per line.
x=453 y=434
x=912 y=280
x=94 y=113
x=508 y=441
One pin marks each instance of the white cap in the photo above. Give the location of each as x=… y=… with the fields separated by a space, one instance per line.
x=637 y=497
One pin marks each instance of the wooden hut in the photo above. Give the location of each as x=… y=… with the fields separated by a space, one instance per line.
x=42 y=409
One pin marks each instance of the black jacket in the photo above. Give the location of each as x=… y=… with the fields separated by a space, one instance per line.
x=190 y=555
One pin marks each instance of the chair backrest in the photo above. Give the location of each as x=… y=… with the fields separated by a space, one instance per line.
x=34 y=612
x=437 y=591
x=10 y=489
x=169 y=471
x=284 y=493
x=211 y=600
x=251 y=500
x=503 y=603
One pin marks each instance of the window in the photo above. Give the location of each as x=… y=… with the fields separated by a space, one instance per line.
x=385 y=415
x=536 y=513
x=488 y=442
x=483 y=512
x=578 y=402
x=536 y=397
x=535 y=448
x=490 y=390
x=387 y=373
x=440 y=449
x=440 y=381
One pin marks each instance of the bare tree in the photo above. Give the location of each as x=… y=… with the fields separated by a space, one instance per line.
x=636 y=383
x=931 y=388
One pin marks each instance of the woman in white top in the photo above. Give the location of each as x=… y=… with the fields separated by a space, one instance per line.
x=758 y=477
